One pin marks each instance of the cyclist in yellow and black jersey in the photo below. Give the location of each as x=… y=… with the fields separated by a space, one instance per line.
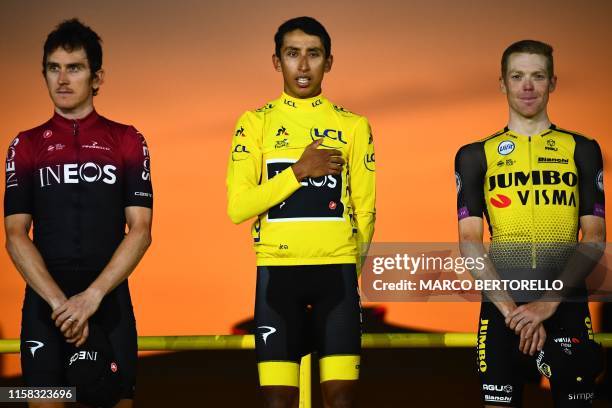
x=314 y=221
x=305 y=168
x=538 y=186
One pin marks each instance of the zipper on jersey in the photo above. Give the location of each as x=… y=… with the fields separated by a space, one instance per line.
x=532 y=193
x=77 y=197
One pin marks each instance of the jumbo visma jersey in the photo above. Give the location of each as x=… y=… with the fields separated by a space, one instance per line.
x=325 y=220
x=532 y=190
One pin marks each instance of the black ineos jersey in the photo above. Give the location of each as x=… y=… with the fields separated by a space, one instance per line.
x=75 y=177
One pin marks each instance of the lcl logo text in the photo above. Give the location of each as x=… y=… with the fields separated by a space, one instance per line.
x=332 y=134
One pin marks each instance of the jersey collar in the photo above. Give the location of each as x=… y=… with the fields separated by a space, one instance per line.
x=543 y=133
x=290 y=103
x=82 y=123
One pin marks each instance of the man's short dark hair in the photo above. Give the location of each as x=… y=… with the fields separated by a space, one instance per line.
x=73 y=35
x=529 y=47
x=308 y=25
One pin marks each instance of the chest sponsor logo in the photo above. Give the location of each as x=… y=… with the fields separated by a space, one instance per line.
x=55 y=147
x=506 y=147
x=599 y=181
x=507 y=162
x=72 y=173
x=543 y=183
x=551 y=145
x=331 y=134
x=95 y=146
x=280 y=144
x=316 y=103
x=282 y=131
x=554 y=160
x=10 y=168
x=319 y=199
x=239 y=132
x=500 y=201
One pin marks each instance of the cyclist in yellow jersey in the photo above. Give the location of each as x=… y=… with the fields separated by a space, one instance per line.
x=305 y=169
x=538 y=186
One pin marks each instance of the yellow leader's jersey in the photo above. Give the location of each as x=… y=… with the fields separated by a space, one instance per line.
x=532 y=191
x=325 y=220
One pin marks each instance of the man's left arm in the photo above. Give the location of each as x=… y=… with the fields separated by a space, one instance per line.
x=584 y=259
x=138 y=204
x=362 y=184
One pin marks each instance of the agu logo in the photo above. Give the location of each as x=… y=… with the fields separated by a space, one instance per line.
x=114 y=367
x=500 y=201
x=506 y=147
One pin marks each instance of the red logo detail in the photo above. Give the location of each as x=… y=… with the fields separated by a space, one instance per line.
x=47 y=134
x=575 y=340
x=332 y=205
x=501 y=201
x=114 y=367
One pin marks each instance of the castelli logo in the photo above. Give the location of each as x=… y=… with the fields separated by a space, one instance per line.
x=332 y=205
x=114 y=367
x=501 y=201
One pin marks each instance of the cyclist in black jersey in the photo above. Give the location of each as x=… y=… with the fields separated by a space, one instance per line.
x=78 y=179
x=537 y=185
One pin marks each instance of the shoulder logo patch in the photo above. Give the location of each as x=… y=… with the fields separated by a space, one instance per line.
x=600 y=182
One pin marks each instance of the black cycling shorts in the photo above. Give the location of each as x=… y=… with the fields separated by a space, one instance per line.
x=570 y=358
x=300 y=309
x=43 y=347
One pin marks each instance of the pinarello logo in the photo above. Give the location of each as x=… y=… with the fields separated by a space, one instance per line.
x=332 y=205
x=47 y=134
x=575 y=340
x=114 y=367
x=501 y=201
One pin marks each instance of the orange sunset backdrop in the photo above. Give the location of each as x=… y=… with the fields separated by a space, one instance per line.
x=425 y=73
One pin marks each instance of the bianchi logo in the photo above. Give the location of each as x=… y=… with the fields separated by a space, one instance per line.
x=36 y=346
x=269 y=331
x=497 y=398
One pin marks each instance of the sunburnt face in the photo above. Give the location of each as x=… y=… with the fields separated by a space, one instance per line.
x=70 y=81
x=527 y=84
x=303 y=64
